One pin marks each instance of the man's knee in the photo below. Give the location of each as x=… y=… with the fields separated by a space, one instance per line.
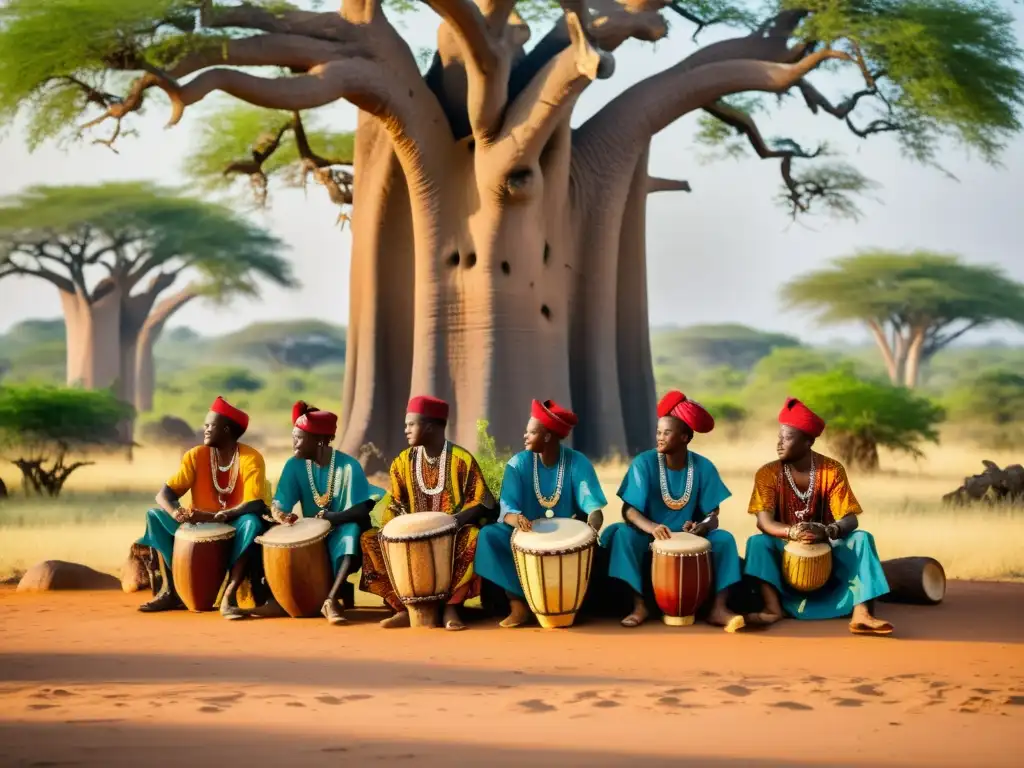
x=723 y=541
x=860 y=541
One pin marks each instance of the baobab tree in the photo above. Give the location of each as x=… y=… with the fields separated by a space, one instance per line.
x=114 y=252
x=498 y=253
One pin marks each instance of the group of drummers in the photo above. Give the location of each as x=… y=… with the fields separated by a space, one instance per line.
x=442 y=533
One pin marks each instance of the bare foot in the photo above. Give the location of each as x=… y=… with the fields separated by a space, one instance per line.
x=269 y=610
x=520 y=615
x=452 y=622
x=721 y=617
x=637 y=617
x=399 y=620
x=762 y=619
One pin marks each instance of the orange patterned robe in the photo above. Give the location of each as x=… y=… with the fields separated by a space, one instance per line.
x=464 y=489
x=833 y=497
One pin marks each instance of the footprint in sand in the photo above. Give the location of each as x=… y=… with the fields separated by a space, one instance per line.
x=294 y=704
x=736 y=690
x=536 y=705
x=794 y=705
x=841 y=702
x=325 y=699
x=227 y=698
x=584 y=696
x=606 y=704
x=42 y=706
x=210 y=709
x=1015 y=701
x=357 y=697
x=867 y=690
x=677 y=691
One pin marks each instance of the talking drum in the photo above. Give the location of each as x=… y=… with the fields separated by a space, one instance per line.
x=297 y=566
x=806 y=567
x=199 y=562
x=681 y=576
x=419 y=552
x=553 y=561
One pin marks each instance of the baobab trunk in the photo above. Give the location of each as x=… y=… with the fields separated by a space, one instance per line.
x=93 y=334
x=143 y=363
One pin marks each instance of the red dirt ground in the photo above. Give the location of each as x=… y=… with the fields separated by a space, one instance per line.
x=86 y=680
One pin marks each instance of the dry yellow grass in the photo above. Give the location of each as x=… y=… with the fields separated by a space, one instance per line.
x=102 y=510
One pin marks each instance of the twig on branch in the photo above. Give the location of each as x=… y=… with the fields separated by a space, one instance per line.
x=658 y=184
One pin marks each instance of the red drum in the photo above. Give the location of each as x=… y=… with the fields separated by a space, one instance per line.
x=681 y=576
x=200 y=562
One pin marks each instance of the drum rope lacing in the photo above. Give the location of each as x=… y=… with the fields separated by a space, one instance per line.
x=324 y=501
x=549 y=502
x=441 y=472
x=806 y=513
x=666 y=496
x=232 y=478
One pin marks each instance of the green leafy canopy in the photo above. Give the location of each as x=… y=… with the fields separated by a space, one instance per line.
x=37 y=418
x=889 y=416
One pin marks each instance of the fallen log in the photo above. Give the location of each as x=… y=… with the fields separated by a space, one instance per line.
x=914 y=580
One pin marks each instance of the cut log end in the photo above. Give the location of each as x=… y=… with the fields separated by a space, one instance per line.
x=915 y=580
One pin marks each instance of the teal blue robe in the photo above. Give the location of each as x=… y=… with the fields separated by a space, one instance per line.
x=641 y=489
x=581 y=495
x=351 y=488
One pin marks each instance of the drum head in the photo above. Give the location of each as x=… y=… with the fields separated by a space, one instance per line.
x=559 y=534
x=418 y=525
x=204 y=531
x=681 y=544
x=799 y=549
x=305 y=530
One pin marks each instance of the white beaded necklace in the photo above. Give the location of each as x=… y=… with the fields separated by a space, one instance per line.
x=549 y=502
x=670 y=501
x=434 y=492
x=806 y=513
x=232 y=478
x=324 y=501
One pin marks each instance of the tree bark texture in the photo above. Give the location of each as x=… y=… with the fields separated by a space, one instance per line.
x=498 y=255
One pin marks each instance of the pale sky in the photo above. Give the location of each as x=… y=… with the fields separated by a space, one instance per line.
x=718 y=254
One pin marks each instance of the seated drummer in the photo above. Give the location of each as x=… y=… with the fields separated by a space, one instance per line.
x=327 y=484
x=431 y=475
x=546 y=479
x=806 y=497
x=668 y=490
x=228 y=483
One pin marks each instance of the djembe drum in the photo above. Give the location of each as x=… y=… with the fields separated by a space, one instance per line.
x=553 y=561
x=806 y=567
x=681 y=576
x=199 y=562
x=297 y=565
x=419 y=553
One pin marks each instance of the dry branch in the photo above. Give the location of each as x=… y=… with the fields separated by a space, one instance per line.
x=659 y=184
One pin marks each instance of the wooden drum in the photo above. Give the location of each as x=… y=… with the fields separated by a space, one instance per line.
x=200 y=561
x=806 y=567
x=681 y=576
x=419 y=552
x=553 y=562
x=297 y=565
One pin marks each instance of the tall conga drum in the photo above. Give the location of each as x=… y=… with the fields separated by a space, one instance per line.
x=419 y=552
x=200 y=561
x=297 y=565
x=553 y=561
x=806 y=567
x=681 y=576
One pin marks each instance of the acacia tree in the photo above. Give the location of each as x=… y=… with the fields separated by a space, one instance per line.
x=914 y=303
x=498 y=253
x=115 y=251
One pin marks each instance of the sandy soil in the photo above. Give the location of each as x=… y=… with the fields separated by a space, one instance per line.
x=85 y=680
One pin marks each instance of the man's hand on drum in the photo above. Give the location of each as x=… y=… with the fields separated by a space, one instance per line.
x=697 y=529
x=182 y=515
x=521 y=522
x=595 y=519
x=284 y=518
x=661 y=532
x=811 y=533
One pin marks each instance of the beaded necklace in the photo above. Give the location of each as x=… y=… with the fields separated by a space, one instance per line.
x=549 y=502
x=806 y=497
x=670 y=501
x=432 y=493
x=232 y=477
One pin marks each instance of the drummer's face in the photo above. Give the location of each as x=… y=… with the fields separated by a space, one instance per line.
x=415 y=429
x=793 y=444
x=672 y=435
x=303 y=444
x=215 y=430
x=534 y=438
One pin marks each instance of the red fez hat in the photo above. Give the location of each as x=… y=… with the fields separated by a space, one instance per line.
x=314 y=422
x=228 y=411
x=429 y=407
x=797 y=415
x=556 y=419
x=690 y=412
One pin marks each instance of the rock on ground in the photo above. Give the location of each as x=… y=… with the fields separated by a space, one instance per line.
x=59 y=575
